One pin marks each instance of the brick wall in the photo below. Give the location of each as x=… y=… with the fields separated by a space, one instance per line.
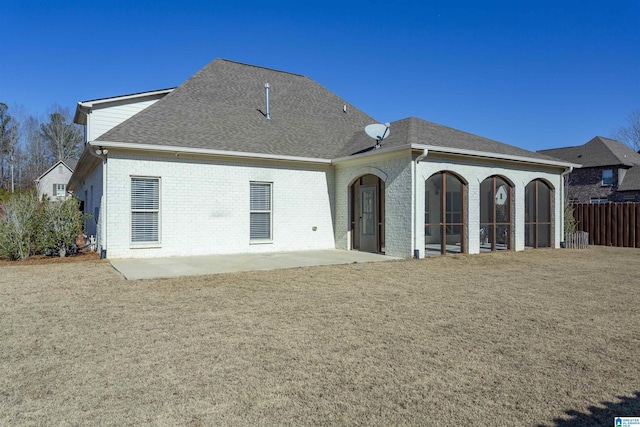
x=205 y=201
x=476 y=172
x=583 y=184
x=205 y=205
x=404 y=222
x=395 y=171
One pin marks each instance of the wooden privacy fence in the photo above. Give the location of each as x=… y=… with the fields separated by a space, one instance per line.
x=609 y=224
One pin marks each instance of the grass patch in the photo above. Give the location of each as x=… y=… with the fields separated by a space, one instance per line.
x=543 y=337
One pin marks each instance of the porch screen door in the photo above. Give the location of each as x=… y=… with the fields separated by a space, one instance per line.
x=368 y=220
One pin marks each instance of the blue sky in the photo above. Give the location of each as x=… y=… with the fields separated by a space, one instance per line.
x=533 y=74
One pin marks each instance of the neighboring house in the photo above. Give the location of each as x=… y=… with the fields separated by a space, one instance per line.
x=610 y=171
x=53 y=182
x=225 y=163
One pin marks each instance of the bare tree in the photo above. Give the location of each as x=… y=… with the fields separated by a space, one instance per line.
x=8 y=141
x=5 y=121
x=36 y=151
x=21 y=163
x=62 y=135
x=630 y=133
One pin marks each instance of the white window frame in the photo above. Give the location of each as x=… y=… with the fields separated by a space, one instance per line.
x=598 y=200
x=64 y=190
x=259 y=240
x=605 y=184
x=145 y=244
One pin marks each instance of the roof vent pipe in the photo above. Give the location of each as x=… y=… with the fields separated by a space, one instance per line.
x=266 y=89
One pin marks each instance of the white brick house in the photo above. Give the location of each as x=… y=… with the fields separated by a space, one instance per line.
x=210 y=168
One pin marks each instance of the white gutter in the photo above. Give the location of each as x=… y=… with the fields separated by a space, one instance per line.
x=485 y=154
x=414 y=204
x=204 y=151
x=447 y=150
x=90 y=104
x=224 y=153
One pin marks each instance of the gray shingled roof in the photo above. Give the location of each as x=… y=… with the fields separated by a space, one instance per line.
x=221 y=107
x=71 y=163
x=631 y=181
x=598 y=152
x=413 y=130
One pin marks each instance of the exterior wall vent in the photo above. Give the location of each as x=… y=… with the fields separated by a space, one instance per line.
x=266 y=89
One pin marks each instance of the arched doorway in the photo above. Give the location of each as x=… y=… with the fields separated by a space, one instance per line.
x=538 y=201
x=496 y=196
x=367 y=214
x=445 y=219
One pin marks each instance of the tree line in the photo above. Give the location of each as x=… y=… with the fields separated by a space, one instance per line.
x=30 y=146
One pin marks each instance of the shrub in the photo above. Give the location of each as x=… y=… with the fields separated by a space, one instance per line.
x=570 y=224
x=4 y=196
x=62 y=222
x=19 y=225
x=28 y=226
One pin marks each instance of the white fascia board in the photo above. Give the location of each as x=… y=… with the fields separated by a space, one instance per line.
x=84 y=107
x=457 y=151
x=91 y=104
x=519 y=159
x=204 y=151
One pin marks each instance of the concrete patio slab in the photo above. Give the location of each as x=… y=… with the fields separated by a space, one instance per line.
x=153 y=268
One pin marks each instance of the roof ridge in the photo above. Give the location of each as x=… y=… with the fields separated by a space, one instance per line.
x=412 y=134
x=604 y=137
x=261 y=67
x=559 y=148
x=617 y=146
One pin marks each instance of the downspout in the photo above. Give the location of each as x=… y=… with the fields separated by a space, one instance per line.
x=562 y=193
x=414 y=203
x=103 y=206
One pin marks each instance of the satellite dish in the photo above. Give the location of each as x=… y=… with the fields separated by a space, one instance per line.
x=378 y=132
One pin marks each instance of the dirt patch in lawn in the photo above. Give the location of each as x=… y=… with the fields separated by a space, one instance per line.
x=85 y=255
x=545 y=337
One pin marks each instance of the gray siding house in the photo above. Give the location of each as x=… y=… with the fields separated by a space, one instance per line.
x=53 y=182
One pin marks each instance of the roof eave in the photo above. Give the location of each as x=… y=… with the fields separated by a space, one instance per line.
x=86 y=163
x=84 y=107
x=94 y=102
x=177 y=150
x=80 y=117
x=497 y=156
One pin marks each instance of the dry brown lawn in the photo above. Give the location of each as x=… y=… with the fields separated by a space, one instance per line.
x=547 y=337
